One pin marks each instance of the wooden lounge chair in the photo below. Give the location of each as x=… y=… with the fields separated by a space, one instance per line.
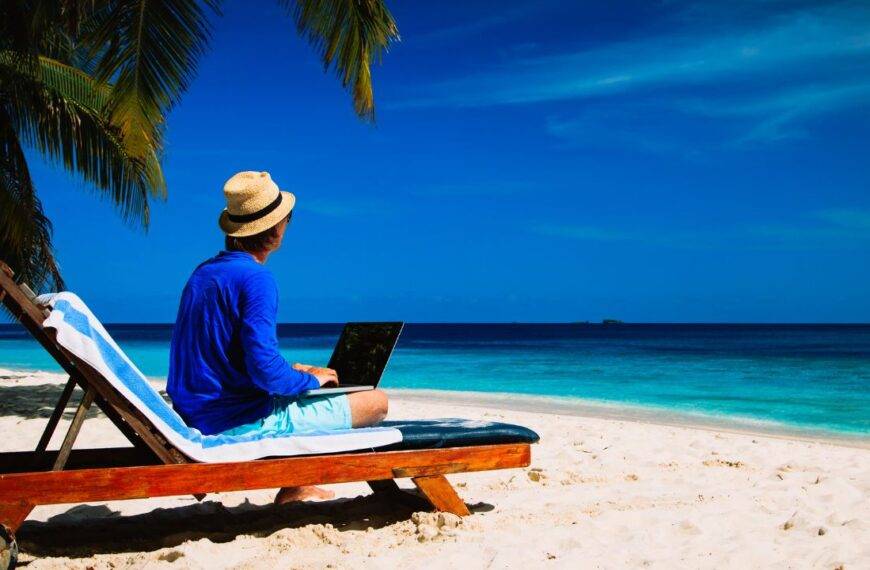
x=154 y=467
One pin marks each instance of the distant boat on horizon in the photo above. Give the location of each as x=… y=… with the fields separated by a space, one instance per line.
x=611 y=322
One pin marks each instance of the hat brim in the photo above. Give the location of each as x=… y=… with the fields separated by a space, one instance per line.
x=244 y=229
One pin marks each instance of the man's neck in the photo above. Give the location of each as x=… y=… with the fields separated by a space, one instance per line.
x=260 y=256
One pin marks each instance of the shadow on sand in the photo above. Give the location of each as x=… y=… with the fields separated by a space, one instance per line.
x=34 y=401
x=95 y=529
x=38 y=400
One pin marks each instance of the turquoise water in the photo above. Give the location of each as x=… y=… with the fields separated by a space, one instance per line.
x=810 y=377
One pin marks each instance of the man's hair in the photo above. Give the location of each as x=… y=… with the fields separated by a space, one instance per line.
x=263 y=241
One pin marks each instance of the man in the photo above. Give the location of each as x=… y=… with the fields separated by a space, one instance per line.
x=225 y=372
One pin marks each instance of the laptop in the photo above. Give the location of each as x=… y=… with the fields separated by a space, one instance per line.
x=360 y=357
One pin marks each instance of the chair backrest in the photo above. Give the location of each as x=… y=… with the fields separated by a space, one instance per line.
x=20 y=302
x=79 y=331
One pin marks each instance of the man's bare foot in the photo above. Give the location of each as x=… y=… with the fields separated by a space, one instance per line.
x=307 y=493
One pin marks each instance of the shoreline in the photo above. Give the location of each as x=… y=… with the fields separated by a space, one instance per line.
x=582 y=407
x=637 y=413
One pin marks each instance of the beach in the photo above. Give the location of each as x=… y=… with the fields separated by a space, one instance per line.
x=601 y=492
x=638 y=230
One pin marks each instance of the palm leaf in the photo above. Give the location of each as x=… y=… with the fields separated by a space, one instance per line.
x=149 y=49
x=64 y=79
x=60 y=111
x=25 y=234
x=351 y=35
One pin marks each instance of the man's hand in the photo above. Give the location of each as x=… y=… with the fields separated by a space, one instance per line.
x=326 y=376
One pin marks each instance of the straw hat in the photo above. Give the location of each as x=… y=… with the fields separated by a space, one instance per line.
x=254 y=204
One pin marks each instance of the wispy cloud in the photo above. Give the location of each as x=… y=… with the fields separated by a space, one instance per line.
x=582 y=232
x=670 y=237
x=773 y=74
x=651 y=125
x=853 y=219
x=504 y=15
x=835 y=228
x=678 y=58
x=474 y=189
x=345 y=208
x=632 y=128
x=777 y=112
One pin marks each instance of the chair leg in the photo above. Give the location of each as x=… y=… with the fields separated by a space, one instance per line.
x=13 y=514
x=8 y=549
x=387 y=490
x=441 y=494
x=384 y=487
x=75 y=426
x=56 y=415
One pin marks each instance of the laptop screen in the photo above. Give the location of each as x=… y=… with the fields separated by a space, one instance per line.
x=363 y=351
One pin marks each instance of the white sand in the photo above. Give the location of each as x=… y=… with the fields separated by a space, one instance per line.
x=601 y=492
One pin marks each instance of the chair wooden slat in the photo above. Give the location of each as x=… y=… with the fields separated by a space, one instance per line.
x=59 y=409
x=84 y=485
x=130 y=421
x=74 y=428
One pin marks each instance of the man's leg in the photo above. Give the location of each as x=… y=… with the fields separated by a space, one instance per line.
x=306 y=493
x=366 y=409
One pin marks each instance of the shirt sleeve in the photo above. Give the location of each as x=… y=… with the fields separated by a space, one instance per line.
x=259 y=335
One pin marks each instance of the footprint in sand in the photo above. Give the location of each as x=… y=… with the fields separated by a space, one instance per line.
x=170 y=556
x=574 y=478
x=430 y=526
x=688 y=527
x=537 y=475
x=795 y=521
x=724 y=463
x=503 y=485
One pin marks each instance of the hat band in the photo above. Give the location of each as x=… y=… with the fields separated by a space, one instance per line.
x=245 y=218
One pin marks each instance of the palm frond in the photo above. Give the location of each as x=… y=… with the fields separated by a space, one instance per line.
x=45 y=27
x=64 y=79
x=59 y=111
x=25 y=234
x=149 y=49
x=351 y=35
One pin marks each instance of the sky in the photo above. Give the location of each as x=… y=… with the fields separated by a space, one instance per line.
x=531 y=161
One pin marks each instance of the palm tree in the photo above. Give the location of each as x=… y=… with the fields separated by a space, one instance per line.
x=88 y=83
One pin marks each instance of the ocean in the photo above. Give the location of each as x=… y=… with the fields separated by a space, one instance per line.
x=806 y=378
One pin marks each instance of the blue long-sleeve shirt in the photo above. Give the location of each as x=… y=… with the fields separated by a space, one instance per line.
x=224 y=363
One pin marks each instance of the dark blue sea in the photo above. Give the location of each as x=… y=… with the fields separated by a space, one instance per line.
x=813 y=378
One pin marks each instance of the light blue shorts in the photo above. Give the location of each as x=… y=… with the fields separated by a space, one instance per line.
x=291 y=415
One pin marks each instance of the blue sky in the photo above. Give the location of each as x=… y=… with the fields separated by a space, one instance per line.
x=531 y=161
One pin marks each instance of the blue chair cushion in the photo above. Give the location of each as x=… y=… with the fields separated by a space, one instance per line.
x=455 y=432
